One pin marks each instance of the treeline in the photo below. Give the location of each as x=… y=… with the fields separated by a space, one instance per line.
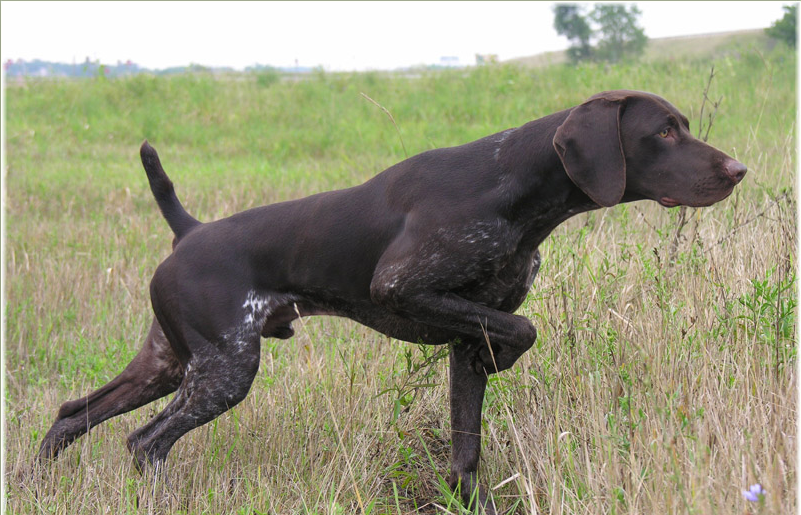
x=39 y=68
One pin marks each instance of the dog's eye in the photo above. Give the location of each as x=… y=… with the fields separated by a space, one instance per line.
x=664 y=133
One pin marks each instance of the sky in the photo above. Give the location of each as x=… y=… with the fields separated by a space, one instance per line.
x=338 y=36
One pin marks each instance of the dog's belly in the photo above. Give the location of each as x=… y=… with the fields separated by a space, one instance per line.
x=505 y=291
x=376 y=317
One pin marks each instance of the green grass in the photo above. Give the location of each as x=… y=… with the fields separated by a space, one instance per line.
x=663 y=379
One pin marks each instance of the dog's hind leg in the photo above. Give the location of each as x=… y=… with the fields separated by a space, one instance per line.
x=216 y=380
x=152 y=374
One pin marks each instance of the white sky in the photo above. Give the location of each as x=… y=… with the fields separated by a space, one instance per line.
x=336 y=35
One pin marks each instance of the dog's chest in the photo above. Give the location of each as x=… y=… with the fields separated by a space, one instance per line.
x=506 y=288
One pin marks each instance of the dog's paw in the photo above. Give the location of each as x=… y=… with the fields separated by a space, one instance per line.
x=486 y=362
x=140 y=458
x=491 y=361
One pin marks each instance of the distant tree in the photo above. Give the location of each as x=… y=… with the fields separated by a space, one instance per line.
x=571 y=23
x=620 y=36
x=784 y=29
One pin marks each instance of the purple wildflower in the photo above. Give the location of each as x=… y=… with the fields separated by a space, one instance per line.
x=754 y=493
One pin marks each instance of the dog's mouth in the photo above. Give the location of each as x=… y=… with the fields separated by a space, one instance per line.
x=672 y=202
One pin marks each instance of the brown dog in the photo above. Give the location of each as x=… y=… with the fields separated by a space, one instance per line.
x=440 y=248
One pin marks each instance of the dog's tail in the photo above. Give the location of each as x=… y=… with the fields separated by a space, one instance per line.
x=179 y=220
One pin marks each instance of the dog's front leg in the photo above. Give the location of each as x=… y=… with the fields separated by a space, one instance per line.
x=503 y=337
x=467 y=395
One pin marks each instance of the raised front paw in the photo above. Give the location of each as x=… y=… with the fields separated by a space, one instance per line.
x=493 y=358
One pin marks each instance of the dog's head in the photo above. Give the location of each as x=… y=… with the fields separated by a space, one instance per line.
x=638 y=144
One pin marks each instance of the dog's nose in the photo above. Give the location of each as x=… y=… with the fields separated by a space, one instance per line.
x=735 y=170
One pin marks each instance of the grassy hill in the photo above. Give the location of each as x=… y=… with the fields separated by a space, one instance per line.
x=707 y=46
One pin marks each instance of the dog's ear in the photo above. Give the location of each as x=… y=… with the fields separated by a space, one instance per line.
x=588 y=143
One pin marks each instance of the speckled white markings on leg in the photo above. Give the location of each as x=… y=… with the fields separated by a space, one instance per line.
x=256 y=310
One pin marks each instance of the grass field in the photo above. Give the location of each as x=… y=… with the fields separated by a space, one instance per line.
x=663 y=379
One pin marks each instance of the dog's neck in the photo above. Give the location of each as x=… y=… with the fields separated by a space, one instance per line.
x=539 y=195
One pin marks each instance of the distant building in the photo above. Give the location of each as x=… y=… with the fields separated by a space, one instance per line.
x=486 y=59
